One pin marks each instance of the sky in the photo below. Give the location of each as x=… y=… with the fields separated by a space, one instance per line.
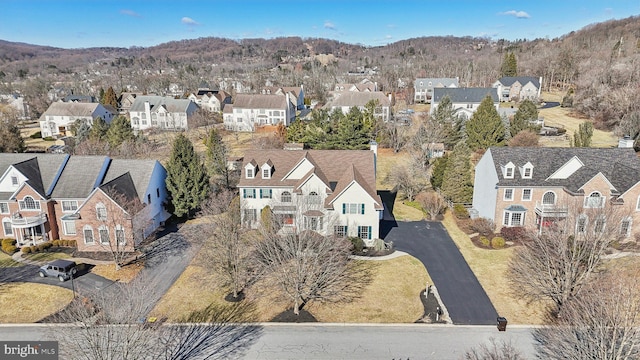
x=117 y=23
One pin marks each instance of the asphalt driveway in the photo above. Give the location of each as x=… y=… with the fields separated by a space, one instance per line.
x=459 y=289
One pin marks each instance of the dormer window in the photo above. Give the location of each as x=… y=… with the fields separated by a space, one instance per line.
x=526 y=171
x=250 y=173
x=267 y=169
x=508 y=171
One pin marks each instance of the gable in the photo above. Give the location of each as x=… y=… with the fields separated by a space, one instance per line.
x=353 y=193
x=6 y=181
x=300 y=170
x=597 y=183
x=567 y=169
x=314 y=183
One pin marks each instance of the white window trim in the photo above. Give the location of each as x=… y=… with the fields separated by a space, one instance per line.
x=7 y=205
x=104 y=228
x=638 y=204
x=530 y=194
x=507 y=168
x=586 y=223
x=4 y=228
x=69 y=201
x=509 y=223
x=587 y=199
x=504 y=196
x=555 y=197
x=99 y=216
x=124 y=235
x=64 y=227
x=84 y=236
x=524 y=171
x=22 y=204
x=595 y=224
x=628 y=232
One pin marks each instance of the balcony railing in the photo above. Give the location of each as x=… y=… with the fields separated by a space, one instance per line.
x=551 y=210
x=18 y=220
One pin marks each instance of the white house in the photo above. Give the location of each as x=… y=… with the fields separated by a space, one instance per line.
x=518 y=88
x=423 y=87
x=296 y=94
x=252 y=110
x=327 y=191
x=161 y=112
x=347 y=99
x=55 y=122
x=464 y=100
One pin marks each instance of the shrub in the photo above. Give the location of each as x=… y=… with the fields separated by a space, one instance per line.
x=460 y=211
x=42 y=247
x=72 y=243
x=48 y=245
x=7 y=242
x=482 y=226
x=26 y=249
x=34 y=248
x=484 y=241
x=56 y=242
x=358 y=244
x=64 y=242
x=48 y=138
x=36 y=135
x=513 y=233
x=10 y=249
x=497 y=242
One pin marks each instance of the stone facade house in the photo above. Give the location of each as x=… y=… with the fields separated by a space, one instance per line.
x=535 y=187
x=518 y=88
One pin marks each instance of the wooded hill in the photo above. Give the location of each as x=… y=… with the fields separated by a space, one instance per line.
x=601 y=62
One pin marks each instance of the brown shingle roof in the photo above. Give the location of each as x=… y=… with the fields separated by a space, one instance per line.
x=354 y=98
x=256 y=101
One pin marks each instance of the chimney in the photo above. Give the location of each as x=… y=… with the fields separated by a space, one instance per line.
x=373 y=145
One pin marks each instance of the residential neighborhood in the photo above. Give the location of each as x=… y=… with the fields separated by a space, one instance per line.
x=174 y=200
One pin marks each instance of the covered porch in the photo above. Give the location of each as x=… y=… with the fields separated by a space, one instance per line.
x=29 y=230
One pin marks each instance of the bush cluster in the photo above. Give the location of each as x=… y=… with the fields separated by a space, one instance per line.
x=482 y=226
x=484 y=241
x=8 y=246
x=26 y=249
x=497 y=242
x=513 y=233
x=358 y=244
x=460 y=211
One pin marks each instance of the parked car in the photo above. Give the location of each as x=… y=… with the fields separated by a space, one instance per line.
x=62 y=269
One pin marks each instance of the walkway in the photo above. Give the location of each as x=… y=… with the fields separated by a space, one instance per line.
x=459 y=289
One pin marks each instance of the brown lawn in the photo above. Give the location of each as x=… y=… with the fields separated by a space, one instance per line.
x=125 y=274
x=29 y=302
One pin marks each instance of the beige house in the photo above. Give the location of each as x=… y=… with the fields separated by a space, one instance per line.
x=535 y=187
x=250 y=111
x=518 y=88
x=344 y=101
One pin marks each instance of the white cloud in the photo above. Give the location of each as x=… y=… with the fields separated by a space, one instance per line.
x=519 y=14
x=388 y=37
x=189 y=21
x=129 y=13
x=329 y=25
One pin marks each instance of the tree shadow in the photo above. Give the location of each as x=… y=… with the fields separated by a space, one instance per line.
x=388 y=221
x=288 y=316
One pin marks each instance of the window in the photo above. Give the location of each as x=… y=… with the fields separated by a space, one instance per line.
x=120 y=235
x=101 y=212
x=340 y=231
x=265 y=193
x=581 y=224
x=157 y=192
x=313 y=222
x=28 y=203
x=249 y=193
x=638 y=204
x=6 y=223
x=549 y=198
x=286 y=219
x=598 y=226
x=69 y=227
x=250 y=215
x=594 y=200
x=526 y=194
x=4 y=208
x=69 y=205
x=364 y=232
x=249 y=173
x=625 y=227
x=314 y=198
x=508 y=172
x=88 y=235
x=353 y=208
x=527 y=173
x=266 y=173
x=285 y=197
x=14 y=180
x=513 y=218
x=104 y=235
x=148 y=198
x=508 y=194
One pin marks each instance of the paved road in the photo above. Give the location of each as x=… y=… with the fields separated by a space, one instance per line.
x=459 y=289
x=333 y=341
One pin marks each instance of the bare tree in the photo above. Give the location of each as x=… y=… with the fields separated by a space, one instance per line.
x=433 y=203
x=495 y=350
x=558 y=261
x=406 y=180
x=110 y=324
x=602 y=323
x=226 y=248
x=306 y=263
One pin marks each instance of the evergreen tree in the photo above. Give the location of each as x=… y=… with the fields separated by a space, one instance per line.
x=110 y=98
x=452 y=124
x=437 y=171
x=295 y=132
x=582 y=137
x=101 y=96
x=457 y=185
x=527 y=111
x=83 y=132
x=187 y=180
x=509 y=65
x=485 y=128
x=11 y=140
x=354 y=133
x=99 y=129
x=119 y=131
x=216 y=158
x=444 y=113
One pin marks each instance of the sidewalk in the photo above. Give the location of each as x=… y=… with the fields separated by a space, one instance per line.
x=393 y=255
x=18 y=258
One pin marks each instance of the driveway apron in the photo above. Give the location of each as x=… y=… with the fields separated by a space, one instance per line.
x=459 y=289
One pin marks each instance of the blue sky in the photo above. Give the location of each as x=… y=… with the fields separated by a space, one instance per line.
x=93 y=23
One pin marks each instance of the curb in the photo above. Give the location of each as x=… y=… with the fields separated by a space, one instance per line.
x=394 y=255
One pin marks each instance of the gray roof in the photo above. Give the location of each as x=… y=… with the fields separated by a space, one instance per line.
x=354 y=98
x=79 y=177
x=259 y=101
x=123 y=184
x=71 y=109
x=41 y=169
x=435 y=83
x=620 y=166
x=465 y=95
x=172 y=105
x=509 y=80
x=139 y=170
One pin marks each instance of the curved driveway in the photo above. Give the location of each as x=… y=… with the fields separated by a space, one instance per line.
x=459 y=289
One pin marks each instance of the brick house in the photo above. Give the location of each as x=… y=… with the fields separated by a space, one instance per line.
x=534 y=187
x=54 y=196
